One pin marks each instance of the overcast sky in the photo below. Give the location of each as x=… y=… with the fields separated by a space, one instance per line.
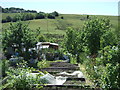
x=96 y=7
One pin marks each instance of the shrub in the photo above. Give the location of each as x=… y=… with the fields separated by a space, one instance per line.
x=62 y=17
x=8 y=19
x=40 y=16
x=4 y=64
x=50 y=16
x=55 y=13
x=104 y=70
x=20 y=77
x=43 y=64
x=93 y=31
x=4 y=21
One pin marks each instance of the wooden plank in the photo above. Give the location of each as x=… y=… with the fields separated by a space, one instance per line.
x=57 y=71
x=60 y=68
x=64 y=85
x=81 y=79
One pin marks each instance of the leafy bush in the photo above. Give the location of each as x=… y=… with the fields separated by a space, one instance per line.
x=109 y=78
x=18 y=34
x=8 y=19
x=20 y=78
x=4 y=64
x=40 y=16
x=93 y=31
x=55 y=13
x=104 y=70
x=4 y=21
x=50 y=16
x=43 y=64
x=74 y=42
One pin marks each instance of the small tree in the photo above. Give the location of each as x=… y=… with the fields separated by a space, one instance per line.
x=74 y=42
x=4 y=21
x=55 y=13
x=62 y=17
x=8 y=19
x=19 y=34
x=40 y=16
x=50 y=16
x=93 y=30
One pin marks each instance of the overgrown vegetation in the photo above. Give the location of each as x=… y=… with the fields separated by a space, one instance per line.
x=21 y=77
x=95 y=44
x=102 y=49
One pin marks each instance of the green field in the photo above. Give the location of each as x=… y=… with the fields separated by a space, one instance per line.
x=50 y=25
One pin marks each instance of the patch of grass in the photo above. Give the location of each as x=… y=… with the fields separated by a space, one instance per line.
x=83 y=70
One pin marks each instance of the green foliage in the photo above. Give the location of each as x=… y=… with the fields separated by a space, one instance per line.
x=4 y=64
x=109 y=54
x=104 y=70
x=74 y=42
x=93 y=30
x=20 y=78
x=8 y=19
x=100 y=38
x=16 y=10
x=27 y=16
x=18 y=34
x=73 y=59
x=110 y=77
x=43 y=64
x=62 y=17
x=4 y=20
x=55 y=13
x=51 y=16
x=41 y=38
x=40 y=16
x=108 y=38
x=17 y=18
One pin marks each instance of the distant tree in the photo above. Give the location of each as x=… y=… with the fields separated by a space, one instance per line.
x=55 y=13
x=4 y=21
x=29 y=16
x=17 y=17
x=8 y=19
x=62 y=17
x=23 y=17
x=14 y=19
x=40 y=16
x=33 y=11
x=16 y=10
x=50 y=16
x=4 y=10
x=87 y=16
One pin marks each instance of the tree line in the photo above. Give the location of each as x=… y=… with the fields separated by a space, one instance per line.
x=30 y=16
x=17 y=10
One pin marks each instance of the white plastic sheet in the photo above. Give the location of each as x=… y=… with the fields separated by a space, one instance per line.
x=78 y=73
x=59 y=80
x=54 y=80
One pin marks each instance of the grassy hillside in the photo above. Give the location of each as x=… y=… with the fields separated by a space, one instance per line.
x=58 y=25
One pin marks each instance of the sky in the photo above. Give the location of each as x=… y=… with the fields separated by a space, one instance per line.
x=93 y=7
